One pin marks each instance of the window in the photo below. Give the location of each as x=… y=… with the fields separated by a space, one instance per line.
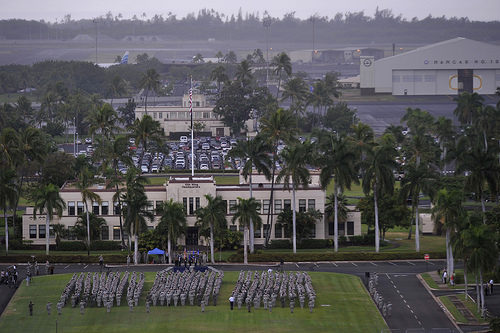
x=51 y=232
x=287 y=204
x=330 y=228
x=312 y=232
x=233 y=227
x=71 y=208
x=266 y=230
x=185 y=204
x=71 y=234
x=105 y=232
x=278 y=231
x=41 y=231
x=105 y=208
x=160 y=115
x=191 y=206
x=197 y=203
x=116 y=208
x=350 y=228
x=197 y=115
x=277 y=206
x=232 y=203
x=79 y=207
x=95 y=208
x=116 y=233
x=151 y=206
x=158 y=205
x=154 y=115
x=341 y=229
x=256 y=233
x=32 y=231
x=311 y=204
x=265 y=206
x=302 y=205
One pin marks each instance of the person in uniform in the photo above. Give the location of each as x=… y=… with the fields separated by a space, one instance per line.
x=59 y=307
x=231 y=301
x=30 y=306
x=82 y=307
x=48 y=307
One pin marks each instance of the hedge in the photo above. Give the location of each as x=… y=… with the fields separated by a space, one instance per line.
x=344 y=256
x=42 y=258
x=72 y=246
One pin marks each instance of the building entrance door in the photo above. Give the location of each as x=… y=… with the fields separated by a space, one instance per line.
x=465 y=80
x=192 y=236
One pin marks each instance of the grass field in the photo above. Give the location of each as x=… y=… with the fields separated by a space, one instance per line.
x=342 y=305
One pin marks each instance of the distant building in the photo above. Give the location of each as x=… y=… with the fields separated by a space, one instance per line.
x=190 y=192
x=341 y=56
x=446 y=68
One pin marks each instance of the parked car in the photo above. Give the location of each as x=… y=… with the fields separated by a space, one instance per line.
x=88 y=141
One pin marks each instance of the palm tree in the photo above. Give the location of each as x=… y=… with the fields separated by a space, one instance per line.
x=247 y=211
x=24 y=109
x=94 y=228
x=378 y=175
x=418 y=178
x=255 y=153
x=9 y=192
x=295 y=173
x=105 y=119
x=443 y=127
x=48 y=105
x=173 y=222
x=59 y=230
x=117 y=86
x=468 y=106
x=85 y=181
x=319 y=97
x=144 y=131
x=362 y=139
x=282 y=63
x=230 y=57
x=219 y=75
x=111 y=155
x=48 y=201
x=10 y=150
x=448 y=210
x=296 y=90
x=279 y=126
x=244 y=72
x=150 y=81
x=338 y=163
x=135 y=215
x=212 y=216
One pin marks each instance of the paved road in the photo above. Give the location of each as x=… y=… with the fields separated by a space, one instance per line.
x=413 y=305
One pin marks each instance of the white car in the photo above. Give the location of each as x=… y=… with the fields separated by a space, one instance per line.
x=183 y=139
x=204 y=166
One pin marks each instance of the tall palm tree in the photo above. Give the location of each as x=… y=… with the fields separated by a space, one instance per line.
x=9 y=192
x=59 y=231
x=48 y=201
x=255 y=154
x=443 y=127
x=296 y=91
x=111 y=155
x=418 y=178
x=282 y=63
x=94 y=228
x=468 y=106
x=338 y=163
x=212 y=216
x=105 y=119
x=49 y=104
x=117 y=86
x=173 y=222
x=10 y=147
x=244 y=72
x=144 y=131
x=281 y=125
x=362 y=138
x=448 y=210
x=246 y=212
x=295 y=173
x=319 y=98
x=219 y=75
x=24 y=109
x=84 y=183
x=378 y=176
x=150 y=81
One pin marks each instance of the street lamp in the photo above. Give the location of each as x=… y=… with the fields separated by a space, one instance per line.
x=95 y=21
x=267 y=23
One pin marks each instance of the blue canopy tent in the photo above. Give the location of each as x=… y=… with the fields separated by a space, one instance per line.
x=159 y=252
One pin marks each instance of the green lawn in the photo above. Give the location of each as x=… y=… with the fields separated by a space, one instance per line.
x=342 y=305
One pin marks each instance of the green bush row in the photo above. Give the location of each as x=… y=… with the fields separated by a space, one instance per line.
x=94 y=246
x=344 y=256
x=67 y=259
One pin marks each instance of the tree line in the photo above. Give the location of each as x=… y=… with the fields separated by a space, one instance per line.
x=351 y=27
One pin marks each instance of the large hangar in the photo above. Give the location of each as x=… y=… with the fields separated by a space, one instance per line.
x=446 y=68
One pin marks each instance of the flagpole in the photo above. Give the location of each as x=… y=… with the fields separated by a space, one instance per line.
x=192 y=139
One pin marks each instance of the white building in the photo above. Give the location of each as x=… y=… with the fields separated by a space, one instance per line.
x=445 y=68
x=190 y=191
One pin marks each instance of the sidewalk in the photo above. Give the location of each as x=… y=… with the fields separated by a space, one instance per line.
x=472 y=320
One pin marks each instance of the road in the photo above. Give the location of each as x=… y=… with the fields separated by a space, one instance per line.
x=413 y=306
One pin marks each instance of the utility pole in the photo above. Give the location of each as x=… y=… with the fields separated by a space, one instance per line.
x=267 y=23
x=95 y=21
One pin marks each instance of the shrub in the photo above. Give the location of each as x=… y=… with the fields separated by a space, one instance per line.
x=313 y=244
x=459 y=278
x=19 y=244
x=280 y=244
x=495 y=324
x=72 y=246
x=342 y=241
x=356 y=240
x=105 y=246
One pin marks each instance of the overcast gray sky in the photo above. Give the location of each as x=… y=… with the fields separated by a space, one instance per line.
x=50 y=10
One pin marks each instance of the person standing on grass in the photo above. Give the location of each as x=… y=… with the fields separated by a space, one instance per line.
x=30 y=306
x=231 y=301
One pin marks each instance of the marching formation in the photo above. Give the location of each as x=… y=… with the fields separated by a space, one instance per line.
x=187 y=285
x=385 y=308
x=269 y=286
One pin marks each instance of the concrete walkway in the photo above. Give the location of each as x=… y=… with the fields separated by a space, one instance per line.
x=472 y=320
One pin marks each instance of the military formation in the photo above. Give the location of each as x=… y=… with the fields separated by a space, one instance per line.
x=187 y=287
x=267 y=288
x=384 y=308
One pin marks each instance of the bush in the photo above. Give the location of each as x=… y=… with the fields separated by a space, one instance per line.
x=19 y=244
x=72 y=246
x=459 y=278
x=342 y=241
x=105 y=246
x=280 y=244
x=313 y=244
x=356 y=240
x=495 y=324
